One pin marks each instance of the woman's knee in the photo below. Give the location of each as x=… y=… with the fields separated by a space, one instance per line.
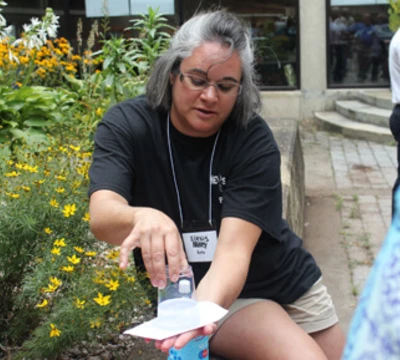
x=264 y=331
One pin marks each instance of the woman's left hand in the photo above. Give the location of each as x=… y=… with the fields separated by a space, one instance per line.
x=179 y=341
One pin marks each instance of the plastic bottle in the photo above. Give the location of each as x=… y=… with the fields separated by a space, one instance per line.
x=176 y=304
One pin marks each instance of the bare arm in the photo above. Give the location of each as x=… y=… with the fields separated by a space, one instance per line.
x=228 y=272
x=113 y=220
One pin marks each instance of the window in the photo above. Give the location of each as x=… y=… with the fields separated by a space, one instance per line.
x=274 y=28
x=358 y=43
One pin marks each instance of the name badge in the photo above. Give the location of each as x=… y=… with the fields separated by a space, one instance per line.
x=200 y=245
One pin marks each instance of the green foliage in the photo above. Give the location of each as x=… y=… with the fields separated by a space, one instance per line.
x=59 y=285
x=52 y=269
x=27 y=112
x=394 y=15
x=151 y=41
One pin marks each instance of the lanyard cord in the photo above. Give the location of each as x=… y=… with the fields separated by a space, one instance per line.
x=171 y=159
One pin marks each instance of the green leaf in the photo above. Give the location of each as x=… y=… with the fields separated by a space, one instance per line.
x=37 y=122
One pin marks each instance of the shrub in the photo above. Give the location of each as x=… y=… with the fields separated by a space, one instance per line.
x=59 y=285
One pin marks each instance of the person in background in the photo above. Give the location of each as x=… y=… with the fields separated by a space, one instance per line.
x=394 y=121
x=190 y=173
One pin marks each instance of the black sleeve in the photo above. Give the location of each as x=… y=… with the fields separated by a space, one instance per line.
x=113 y=158
x=253 y=191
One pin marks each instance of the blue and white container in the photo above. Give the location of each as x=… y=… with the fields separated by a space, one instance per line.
x=195 y=349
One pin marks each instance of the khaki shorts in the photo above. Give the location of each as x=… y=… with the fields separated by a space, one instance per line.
x=314 y=311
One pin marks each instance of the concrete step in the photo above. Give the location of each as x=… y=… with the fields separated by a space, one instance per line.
x=379 y=98
x=362 y=112
x=333 y=121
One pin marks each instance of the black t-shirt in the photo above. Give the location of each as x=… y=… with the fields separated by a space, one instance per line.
x=131 y=157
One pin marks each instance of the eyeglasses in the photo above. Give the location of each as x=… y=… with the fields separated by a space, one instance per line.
x=198 y=83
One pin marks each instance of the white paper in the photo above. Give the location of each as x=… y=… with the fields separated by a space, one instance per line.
x=208 y=313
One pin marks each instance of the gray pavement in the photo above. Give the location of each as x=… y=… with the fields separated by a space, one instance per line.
x=348 y=209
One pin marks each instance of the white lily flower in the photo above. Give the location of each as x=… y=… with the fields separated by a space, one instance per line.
x=42 y=34
x=52 y=31
x=12 y=57
x=26 y=28
x=35 y=22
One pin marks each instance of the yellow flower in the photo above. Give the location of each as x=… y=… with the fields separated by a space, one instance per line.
x=112 y=285
x=113 y=254
x=50 y=288
x=55 y=281
x=13 y=195
x=99 y=111
x=69 y=210
x=62 y=178
x=90 y=253
x=54 y=331
x=48 y=230
x=79 y=303
x=147 y=301
x=73 y=259
x=54 y=203
x=60 y=242
x=60 y=190
x=56 y=251
x=102 y=300
x=12 y=174
x=26 y=188
x=47 y=172
x=79 y=249
x=68 y=268
x=75 y=148
x=131 y=279
x=95 y=323
x=43 y=304
x=86 y=217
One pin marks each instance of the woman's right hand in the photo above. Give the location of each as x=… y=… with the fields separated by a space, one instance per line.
x=158 y=237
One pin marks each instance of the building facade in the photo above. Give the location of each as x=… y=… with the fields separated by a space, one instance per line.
x=309 y=52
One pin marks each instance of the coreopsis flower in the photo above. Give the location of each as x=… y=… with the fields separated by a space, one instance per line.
x=95 y=323
x=12 y=174
x=79 y=303
x=79 y=249
x=102 y=300
x=55 y=281
x=43 y=304
x=48 y=230
x=69 y=210
x=113 y=254
x=56 y=251
x=86 y=217
x=50 y=288
x=13 y=195
x=112 y=285
x=54 y=331
x=73 y=259
x=60 y=190
x=90 y=253
x=60 y=242
x=68 y=268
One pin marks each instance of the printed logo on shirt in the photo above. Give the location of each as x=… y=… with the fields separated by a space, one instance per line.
x=220 y=181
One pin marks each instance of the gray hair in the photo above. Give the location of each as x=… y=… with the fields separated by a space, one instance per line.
x=216 y=26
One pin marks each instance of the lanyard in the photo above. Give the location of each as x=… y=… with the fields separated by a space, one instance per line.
x=171 y=159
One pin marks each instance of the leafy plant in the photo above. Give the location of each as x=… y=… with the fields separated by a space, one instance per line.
x=27 y=112
x=394 y=15
x=59 y=285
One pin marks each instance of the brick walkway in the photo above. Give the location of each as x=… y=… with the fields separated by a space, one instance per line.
x=362 y=174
